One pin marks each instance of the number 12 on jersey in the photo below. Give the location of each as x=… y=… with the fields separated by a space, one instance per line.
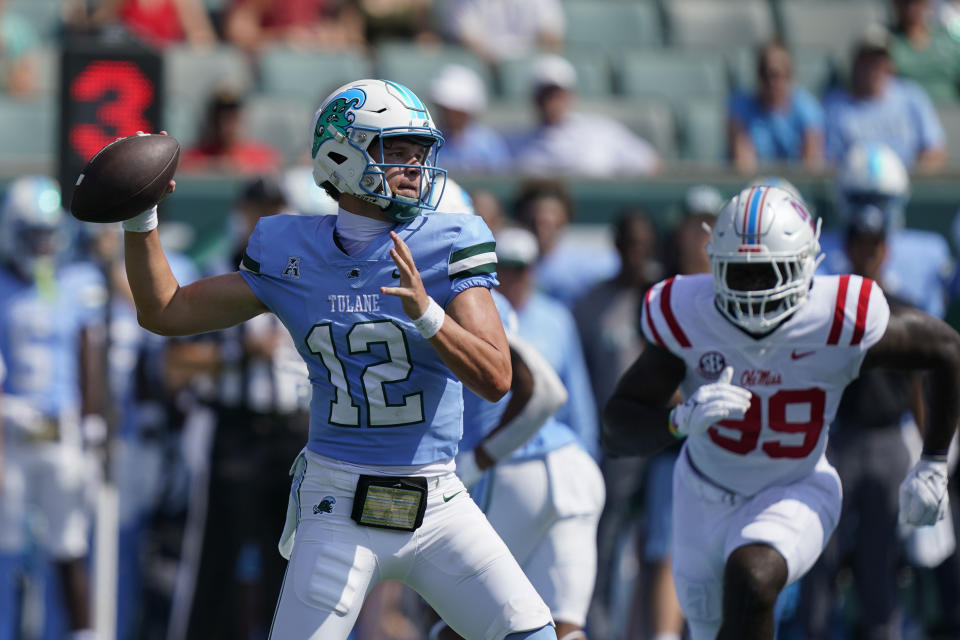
x=396 y=368
x=752 y=424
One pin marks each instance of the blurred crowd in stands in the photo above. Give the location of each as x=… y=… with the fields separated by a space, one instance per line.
x=535 y=89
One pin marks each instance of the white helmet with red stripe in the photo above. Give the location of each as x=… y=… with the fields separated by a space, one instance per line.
x=764 y=250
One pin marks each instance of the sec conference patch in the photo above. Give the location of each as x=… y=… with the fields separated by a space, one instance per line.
x=711 y=365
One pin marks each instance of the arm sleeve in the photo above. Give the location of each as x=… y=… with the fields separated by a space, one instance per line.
x=472 y=260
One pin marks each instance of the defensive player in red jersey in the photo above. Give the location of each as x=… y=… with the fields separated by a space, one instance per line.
x=762 y=351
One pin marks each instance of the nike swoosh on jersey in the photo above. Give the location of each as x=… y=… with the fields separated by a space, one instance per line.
x=796 y=356
x=451 y=497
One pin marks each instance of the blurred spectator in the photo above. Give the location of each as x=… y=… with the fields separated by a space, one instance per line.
x=411 y=20
x=918 y=265
x=305 y=24
x=572 y=143
x=867 y=449
x=487 y=205
x=882 y=108
x=18 y=45
x=222 y=145
x=686 y=251
x=499 y=29
x=780 y=122
x=608 y=321
x=923 y=51
x=459 y=94
x=567 y=268
x=158 y=22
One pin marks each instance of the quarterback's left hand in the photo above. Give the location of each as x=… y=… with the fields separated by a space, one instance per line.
x=923 y=493
x=412 y=294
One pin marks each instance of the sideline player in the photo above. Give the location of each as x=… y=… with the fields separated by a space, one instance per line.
x=762 y=350
x=387 y=343
x=49 y=335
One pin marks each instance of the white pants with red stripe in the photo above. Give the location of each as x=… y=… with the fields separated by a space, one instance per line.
x=709 y=523
x=455 y=560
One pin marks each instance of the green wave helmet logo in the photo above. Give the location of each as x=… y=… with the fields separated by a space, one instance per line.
x=337 y=114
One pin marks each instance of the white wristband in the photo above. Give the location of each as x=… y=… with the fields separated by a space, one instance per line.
x=432 y=319
x=146 y=221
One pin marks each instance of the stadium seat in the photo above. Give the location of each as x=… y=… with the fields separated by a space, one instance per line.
x=47 y=74
x=812 y=68
x=611 y=26
x=827 y=24
x=28 y=135
x=415 y=66
x=44 y=15
x=193 y=74
x=676 y=76
x=703 y=132
x=706 y=24
x=282 y=122
x=310 y=75
x=650 y=118
x=950 y=118
x=594 y=76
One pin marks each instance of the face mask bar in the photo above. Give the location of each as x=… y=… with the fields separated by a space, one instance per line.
x=374 y=182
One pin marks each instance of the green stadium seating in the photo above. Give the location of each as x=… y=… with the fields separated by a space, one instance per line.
x=950 y=118
x=708 y=24
x=310 y=75
x=675 y=75
x=28 y=136
x=44 y=15
x=827 y=24
x=612 y=26
x=415 y=66
x=703 y=134
x=193 y=74
x=650 y=118
x=594 y=76
x=280 y=121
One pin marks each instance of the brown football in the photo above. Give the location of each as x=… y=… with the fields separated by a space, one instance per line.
x=125 y=178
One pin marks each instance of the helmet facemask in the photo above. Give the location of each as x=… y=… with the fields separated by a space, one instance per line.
x=779 y=285
x=763 y=255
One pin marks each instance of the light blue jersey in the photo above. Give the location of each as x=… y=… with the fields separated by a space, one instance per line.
x=480 y=416
x=40 y=329
x=381 y=393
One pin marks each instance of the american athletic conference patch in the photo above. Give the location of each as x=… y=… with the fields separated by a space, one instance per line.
x=711 y=365
x=325 y=505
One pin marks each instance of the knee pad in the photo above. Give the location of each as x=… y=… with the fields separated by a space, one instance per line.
x=546 y=632
x=575 y=635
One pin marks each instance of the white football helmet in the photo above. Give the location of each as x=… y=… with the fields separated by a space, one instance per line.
x=359 y=115
x=31 y=223
x=767 y=227
x=872 y=176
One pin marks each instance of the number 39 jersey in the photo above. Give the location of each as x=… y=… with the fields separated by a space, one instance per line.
x=381 y=394
x=796 y=374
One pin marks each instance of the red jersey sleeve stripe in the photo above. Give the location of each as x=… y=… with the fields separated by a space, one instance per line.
x=653 y=327
x=863 y=302
x=837 y=326
x=675 y=329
